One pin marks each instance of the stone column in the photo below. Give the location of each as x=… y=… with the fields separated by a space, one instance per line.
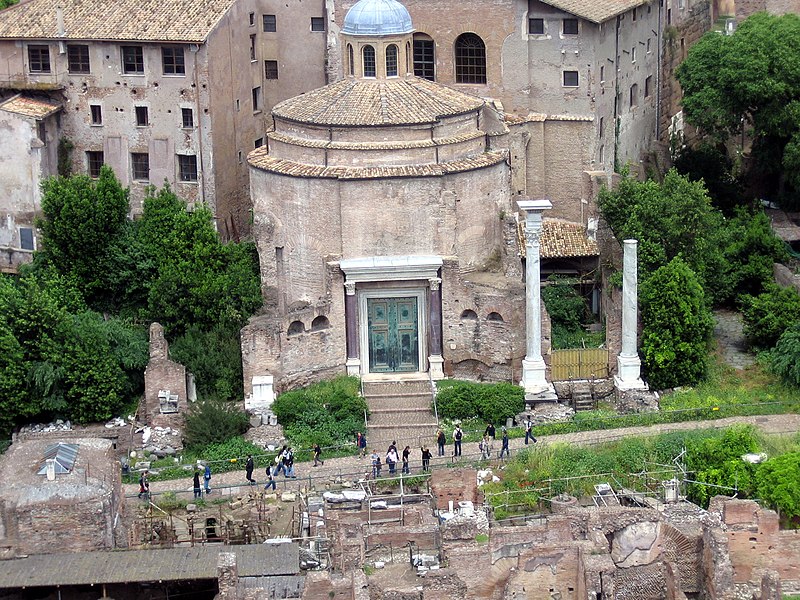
x=435 y=359
x=533 y=366
x=628 y=364
x=353 y=363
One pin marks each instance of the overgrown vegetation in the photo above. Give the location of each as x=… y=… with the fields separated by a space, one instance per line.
x=212 y=421
x=569 y=314
x=491 y=402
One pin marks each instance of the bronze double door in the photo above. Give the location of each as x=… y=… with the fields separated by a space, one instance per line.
x=393 y=335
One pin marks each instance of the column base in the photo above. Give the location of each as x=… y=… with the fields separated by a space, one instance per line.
x=436 y=366
x=353 y=366
x=533 y=377
x=628 y=375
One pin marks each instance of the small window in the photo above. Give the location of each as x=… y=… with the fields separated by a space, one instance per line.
x=140 y=166
x=252 y=19
x=648 y=86
x=669 y=16
x=239 y=156
x=602 y=154
x=569 y=26
x=256 y=99
x=26 y=241
x=470 y=59
x=634 y=95
x=601 y=126
x=391 y=61
x=320 y=322
x=94 y=161
x=424 y=57
x=634 y=14
x=142 y=118
x=132 y=60
x=469 y=315
x=187 y=118
x=602 y=73
x=649 y=49
x=633 y=54
x=78 y=58
x=39 y=58
x=97 y=114
x=535 y=26
x=369 y=61
x=270 y=69
x=259 y=142
x=269 y=23
x=296 y=327
x=172 y=60
x=317 y=24
x=187 y=167
x=495 y=316
x=350 y=59
x=41 y=131
x=570 y=79
x=252 y=47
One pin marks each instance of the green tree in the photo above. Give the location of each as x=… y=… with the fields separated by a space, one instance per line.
x=785 y=357
x=710 y=164
x=213 y=421
x=750 y=80
x=677 y=324
x=214 y=358
x=769 y=314
x=776 y=482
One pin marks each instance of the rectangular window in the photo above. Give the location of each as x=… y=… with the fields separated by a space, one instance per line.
x=239 y=156
x=187 y=167
x=634 y=95
x=633 y=54
x=649 y=49
x=140 y=166
x=252 y=19
x=424 y=63
x=535 y=26
x=570 y=79
x=252 y=47
x=270 y=69
x=602 y=73
x=97 y=114
x=256 y=99
x=648 y=86
x=681 y=4
x=634 y=14
x=187 y=118
x=669 y=16
x=39 y=58
x=78 y=58
x=26 y=241
x=569 y=26
x=259 y=142
x=142 y=118
x=132 y=60
x=172 y=60
x=94 y=160
x=269 y=23
x=317 y=24
x=41 y=131
x=600 y=128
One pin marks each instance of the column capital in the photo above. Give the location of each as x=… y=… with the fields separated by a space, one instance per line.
x=435 y=283
x=350 y=288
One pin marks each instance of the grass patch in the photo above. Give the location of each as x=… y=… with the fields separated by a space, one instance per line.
x=482 y=538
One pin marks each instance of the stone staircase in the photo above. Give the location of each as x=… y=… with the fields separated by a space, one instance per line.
x=399 y=411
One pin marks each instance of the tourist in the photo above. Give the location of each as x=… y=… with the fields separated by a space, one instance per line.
x=406 y=453
x=270 y=479
x=504 y=448
x=288 y=463
x=279 y=463
x=207 y=479
x=529 y=430
x=361 y=444
x=426 y=460
x=378 y=465
x=392 y=458
x=375 y=461
x=198 y=491
x=441 y=439
x=457 y=435
x=490 y=433
x=392 y=446
x=248 y=469
x=317 y=454
x=144 y=485
x=483 y=446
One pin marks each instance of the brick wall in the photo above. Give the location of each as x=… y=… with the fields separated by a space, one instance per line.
x=163 y=374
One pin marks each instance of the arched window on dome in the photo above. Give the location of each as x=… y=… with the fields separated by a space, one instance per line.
x=470 y=59
x=391 y=61
x=368 y=53
x=350 y=61
x=424 y=57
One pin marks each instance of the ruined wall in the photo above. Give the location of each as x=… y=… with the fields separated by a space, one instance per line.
x=163 y=374
x=745 y=8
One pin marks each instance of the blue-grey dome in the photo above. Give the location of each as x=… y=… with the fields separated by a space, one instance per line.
x=377 y=17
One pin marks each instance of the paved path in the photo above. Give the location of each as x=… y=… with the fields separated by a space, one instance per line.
x=353 y=467
x=729 y=332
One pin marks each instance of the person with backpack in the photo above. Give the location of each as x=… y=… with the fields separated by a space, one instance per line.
x=248 y=469
x=361 y=444
x=529 y=431
x=406 y=454
x=207 y=479
x=144 y=485
x=270 y=480
x=288 y=463
x=317 y=455
x=489 y=433
x=441 y=440
x=457 y=436
x=504 y=448
x=279 y=462
x=391 y=459
x=426 y=460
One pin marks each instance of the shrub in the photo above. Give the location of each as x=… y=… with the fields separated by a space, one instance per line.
x=768 y=315
x=785 y=358
x=776 y=482
x=491 y=402
x=214 y=358
x=213 y=421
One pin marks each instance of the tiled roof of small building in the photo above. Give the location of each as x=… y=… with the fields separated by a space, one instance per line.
x=261 y=159
x=123 y=20
x=359 y=102
x=560 y=239
x=28 y=107
x=378 y=145
x=596 y=11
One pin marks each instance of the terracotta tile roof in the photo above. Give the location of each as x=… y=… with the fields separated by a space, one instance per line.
x=596 y=11
x=560 y=239
x=541 y=117
x=359 y=102
x=125 y=20
x=383 y=145
x=28 y=107
x=261 y=159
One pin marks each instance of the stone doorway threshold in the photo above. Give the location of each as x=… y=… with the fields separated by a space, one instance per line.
x=386 y=377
